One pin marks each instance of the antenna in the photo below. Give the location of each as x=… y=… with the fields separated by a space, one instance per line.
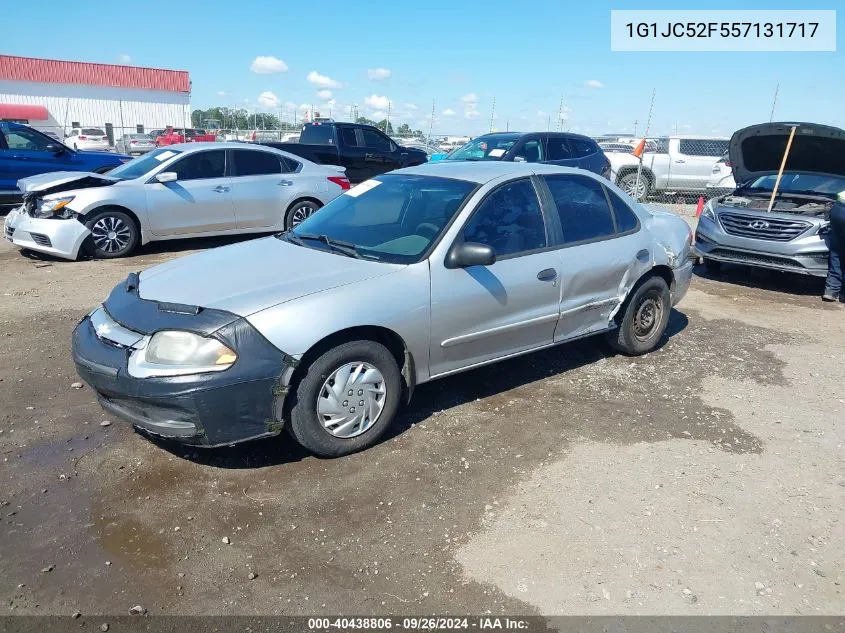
x=647 y=127
x=431 y=122
x=387 y=121
x=774 y=102
x=560 y=114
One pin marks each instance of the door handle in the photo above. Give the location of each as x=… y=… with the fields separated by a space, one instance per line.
x=369 y=156
x=285 y=183
x=220 y=189
x=548 y=274
x=680 y=160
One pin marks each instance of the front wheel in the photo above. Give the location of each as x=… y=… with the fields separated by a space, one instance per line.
x=346 y=400
x=299 y=212
x=113 y=234
x=643 y=318
x=638 y=190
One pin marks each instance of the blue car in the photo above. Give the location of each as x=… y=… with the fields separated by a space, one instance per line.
x=27 y=152
x=555 y=148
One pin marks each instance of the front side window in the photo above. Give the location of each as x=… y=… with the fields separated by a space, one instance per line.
x=509 y=220
x=201 y=165
x=391 y=218
x=582 y=207
x=27 y=140
x=254 y=163
x=375 y=140
x=487 y=147
x=531 y=151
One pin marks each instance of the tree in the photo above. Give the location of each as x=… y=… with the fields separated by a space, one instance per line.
x=365 y=121
x=385 y=126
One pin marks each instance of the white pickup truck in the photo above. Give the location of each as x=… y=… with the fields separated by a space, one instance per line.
x=680 y=164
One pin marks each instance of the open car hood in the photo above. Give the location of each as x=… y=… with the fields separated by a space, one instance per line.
x=758 y=150
x=62 y=181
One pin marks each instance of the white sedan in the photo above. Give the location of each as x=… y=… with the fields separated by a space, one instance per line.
x=181 y=191
x=91 y=139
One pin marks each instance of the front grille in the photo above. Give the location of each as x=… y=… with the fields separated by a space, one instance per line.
x=41 y=239
x=755 y=258
x=776 y=230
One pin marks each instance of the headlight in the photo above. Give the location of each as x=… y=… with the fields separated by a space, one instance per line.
x=707 y=211
x=174 y=353
x=54 y=207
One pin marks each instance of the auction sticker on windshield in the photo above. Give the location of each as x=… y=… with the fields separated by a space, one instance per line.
x=364 y=187
x=496 y=153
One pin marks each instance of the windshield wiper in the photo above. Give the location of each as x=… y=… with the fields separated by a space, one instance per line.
x=337 y=246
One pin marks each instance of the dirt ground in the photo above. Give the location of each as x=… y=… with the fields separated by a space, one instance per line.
x=705 y=478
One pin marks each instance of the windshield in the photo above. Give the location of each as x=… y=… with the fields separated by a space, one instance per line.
x=801 y=183
x=392 y=218
x=137 y=167
x=485 y=148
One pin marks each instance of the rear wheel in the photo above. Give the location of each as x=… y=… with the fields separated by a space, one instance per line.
x=346 y=399
x=113 y=233
x=299 y=212
x=643 y=319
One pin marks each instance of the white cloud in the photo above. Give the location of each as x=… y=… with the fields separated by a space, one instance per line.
x=542 y=114
x=593 y=83
x=471 y=113
x=269 y=100
x=377 y=102
x=267 y=65
x=222 y=93
x=124 y=59
x=448 y=112
x=290 y=105
x=321 y=80
x=377 y=74
x=325 y=95
x=378 y=115
x=470 y=98
x=412 y=106
x=304 y=106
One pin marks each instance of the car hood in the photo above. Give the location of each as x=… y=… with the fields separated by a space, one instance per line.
x=758 y=150
x=251 y=276
x=61 y=180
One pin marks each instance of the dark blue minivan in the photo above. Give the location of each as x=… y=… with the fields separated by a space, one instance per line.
x=556 y=148
x=27 y=152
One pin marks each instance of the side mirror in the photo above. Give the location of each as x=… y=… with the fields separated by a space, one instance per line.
x=470 y=254
x=519 y=159
x=56 y=148
x=166 y=177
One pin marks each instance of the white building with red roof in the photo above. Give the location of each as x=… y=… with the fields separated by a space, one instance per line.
x=55 y=96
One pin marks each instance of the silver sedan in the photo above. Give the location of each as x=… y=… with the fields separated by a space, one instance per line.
x=181 y=191
x=415 y=275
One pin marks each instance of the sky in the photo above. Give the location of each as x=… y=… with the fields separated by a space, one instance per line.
x=449 y=57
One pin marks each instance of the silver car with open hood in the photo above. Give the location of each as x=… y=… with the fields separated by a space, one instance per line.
x=415 y=275
x=739 y=228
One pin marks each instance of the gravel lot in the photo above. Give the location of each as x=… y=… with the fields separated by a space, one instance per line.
x=705 y=478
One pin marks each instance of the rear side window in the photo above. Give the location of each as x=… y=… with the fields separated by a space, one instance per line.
x=582 y=147
x=254 y=163
x=626 y=220
x=289 y=166
x=557 y=148
x=201 y=165
x=317 y=135
x=702 y=147
x=582 y=207
x=348 y=137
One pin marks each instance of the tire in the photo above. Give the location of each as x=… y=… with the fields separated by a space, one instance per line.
x=311 y=422
x=712 y=265
x=636 y=333
x=113 y=233
x=628 y=184
x=300 y=211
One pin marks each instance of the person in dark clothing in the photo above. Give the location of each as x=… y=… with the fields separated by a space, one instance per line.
x=836 y=246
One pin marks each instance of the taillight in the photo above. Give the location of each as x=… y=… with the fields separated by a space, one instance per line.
x=83 y=138
x=341 y=181
x=727 y=163
x=133 y=142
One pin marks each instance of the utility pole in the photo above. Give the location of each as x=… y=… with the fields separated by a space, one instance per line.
x=560 y=115
x=647 y=127
x=635 y=128
x=431 y=122
x=774 y=101
x=387 y=121
x=492 y=113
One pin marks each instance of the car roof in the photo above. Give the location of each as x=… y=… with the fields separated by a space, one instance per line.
x=484 y=171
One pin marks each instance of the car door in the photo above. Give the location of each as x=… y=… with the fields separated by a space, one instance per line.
x=559 y=151
x=26 y=153
x=603 y=251
x=378 y=157
x=352 y=154
x=260 y=191
x=199 y=201
x=485 y=312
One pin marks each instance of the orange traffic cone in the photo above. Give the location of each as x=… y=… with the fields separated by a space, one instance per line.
x=700 y=207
